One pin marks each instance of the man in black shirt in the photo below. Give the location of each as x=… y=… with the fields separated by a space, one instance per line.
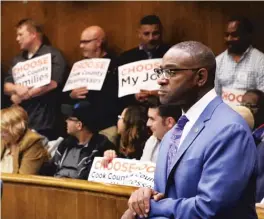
x=75 y=154
x=150 y=47
x=93 y=45
x=40 y=103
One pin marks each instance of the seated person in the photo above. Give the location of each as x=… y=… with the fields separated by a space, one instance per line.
x=161 y=118
x=22 y=150
x=75 y=154
x=254 y=100
x=133 y=134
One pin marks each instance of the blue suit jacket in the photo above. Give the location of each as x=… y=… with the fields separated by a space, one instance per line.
x=214 y=174
x=260 y=176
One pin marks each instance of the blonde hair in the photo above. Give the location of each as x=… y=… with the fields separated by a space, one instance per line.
x=14 y=121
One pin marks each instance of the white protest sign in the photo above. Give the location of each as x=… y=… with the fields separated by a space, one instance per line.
x=232 y=96
x=35 y=72
x=88 y=73
x=139 y=75
x=123 y=172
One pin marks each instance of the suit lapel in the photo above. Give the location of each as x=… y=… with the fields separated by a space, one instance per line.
x=195 y=131
x=161 y=166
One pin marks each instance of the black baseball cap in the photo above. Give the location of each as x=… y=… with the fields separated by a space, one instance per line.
x=83 y=111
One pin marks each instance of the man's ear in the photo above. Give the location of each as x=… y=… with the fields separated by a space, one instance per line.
x=170 y=122
x=202 y=77
x=35 y=34
x=79 y=125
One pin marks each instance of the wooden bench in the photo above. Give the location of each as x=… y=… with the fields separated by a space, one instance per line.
x=37 y=197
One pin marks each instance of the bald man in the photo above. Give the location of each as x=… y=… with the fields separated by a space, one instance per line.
x=93 y=45
x=206 y=163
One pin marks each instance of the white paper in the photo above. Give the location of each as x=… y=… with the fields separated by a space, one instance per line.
x=232 y=96
x=123 y=172
x=138 y=75
x=89 y=73
x=35 y=72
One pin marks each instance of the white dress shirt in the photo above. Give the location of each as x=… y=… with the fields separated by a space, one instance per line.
x=195 y=111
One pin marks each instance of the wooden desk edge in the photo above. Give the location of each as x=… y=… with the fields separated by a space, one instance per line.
x=111 y=189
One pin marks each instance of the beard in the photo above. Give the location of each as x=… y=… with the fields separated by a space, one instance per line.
x=236 y=47
x=152 y=45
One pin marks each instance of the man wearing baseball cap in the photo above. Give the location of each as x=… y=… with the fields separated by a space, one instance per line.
x=75 y=154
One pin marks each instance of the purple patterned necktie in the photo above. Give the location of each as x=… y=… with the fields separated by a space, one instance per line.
x=175 y=140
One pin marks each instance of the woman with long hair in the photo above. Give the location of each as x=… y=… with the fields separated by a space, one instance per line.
x=22 y=150
x=133 y=134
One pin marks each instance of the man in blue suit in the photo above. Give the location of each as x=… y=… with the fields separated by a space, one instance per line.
x=207 y=162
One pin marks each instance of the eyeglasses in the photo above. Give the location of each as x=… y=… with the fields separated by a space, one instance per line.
x=87 y=41
x=168 y=73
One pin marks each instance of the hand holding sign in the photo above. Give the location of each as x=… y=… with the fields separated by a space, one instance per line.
x=21 y=91
x=109 y=155
x=144 y=94
x=79 y=93
x=16 y=99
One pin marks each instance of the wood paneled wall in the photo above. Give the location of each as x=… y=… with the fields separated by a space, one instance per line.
x=64 y=21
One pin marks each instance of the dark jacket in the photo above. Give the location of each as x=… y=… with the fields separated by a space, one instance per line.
x=260 y=177
x=137 y=54
x=105 y=100
x=96 y=148
x=43 y=110
x=258 y=135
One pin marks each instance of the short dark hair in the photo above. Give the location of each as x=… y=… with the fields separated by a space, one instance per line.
x=150 y=19
x=260 y=95
x=164 y=110
x=152 y=102
x=170 y=110
x=31 y=24
x=244 y=23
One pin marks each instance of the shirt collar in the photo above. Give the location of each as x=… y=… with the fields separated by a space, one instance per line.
x=25 y=53
x=246 y=52
x=196 y=110
x=141 y=47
